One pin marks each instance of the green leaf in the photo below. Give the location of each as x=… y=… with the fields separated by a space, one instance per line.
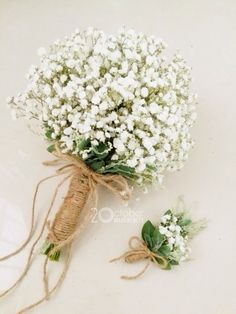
x=148 y=229
x=51 y=148
x=120 y=169
x=82 y=145
x=157 y=238
x=48 y=134
x=168 y=267
x=184 y=222
x=173 y=262
x=126 y=168
x=97 y=165
x=100 y=149
x=148 y=239
x=164 y=250
x=168 y=212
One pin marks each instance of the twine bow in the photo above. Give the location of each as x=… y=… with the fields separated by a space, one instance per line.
x=139 y=251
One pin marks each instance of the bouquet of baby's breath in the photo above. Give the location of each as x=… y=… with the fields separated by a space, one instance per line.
x=114 y=101
x=114 y=110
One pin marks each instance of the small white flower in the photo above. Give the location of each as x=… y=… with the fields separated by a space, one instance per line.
x=172 y=227
x=47 y=90
x=141 y=167
x=169 y=234
x=162 y=230
x=82 y=94
x=165 y=218
x=171 y=240
x=63 y=78
x=96 y=100
x=144 y=92
x=178 y=229
x=55 y=112
x=70 y=63
x=94 y=110
x=68 y=131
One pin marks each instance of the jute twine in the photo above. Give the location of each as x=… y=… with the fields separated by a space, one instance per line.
x=139 y=251
x=72 y=217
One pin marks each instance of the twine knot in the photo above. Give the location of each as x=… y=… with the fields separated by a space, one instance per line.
x=139 y=251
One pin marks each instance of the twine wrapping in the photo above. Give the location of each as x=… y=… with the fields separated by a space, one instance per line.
x=82 y=189
x=72 y=217
x=137 y=252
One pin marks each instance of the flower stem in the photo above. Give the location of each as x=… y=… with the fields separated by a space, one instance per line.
x=47 y=248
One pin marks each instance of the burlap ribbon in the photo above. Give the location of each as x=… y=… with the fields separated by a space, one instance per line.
x=139 y=251
x=70 y=221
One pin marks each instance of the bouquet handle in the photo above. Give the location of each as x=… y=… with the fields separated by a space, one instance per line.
x=66 y=219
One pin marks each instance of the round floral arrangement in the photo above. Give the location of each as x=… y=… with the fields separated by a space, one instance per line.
x=113 y=100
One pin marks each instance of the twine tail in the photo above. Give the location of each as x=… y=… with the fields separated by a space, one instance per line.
x=131 y=257
x=32 y=223
x=70 y=219
x=138 y=274
x=30 y=256
x=49 y=292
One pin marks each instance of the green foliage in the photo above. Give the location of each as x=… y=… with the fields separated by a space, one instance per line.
x=121 y=169
x=83 y=144
x=183 y=222
x=168 y=267
x=164 y=250
x=46 y=250
x=147 y=233
x=51 y=148
x=157 y=243
x=99 y=159
x=96 y=165
x=154 y=239
x=168 y=212
x=158 y=238
x=48 y=134
x=148 y=229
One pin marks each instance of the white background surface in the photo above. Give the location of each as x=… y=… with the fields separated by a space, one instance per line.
x=204 y=31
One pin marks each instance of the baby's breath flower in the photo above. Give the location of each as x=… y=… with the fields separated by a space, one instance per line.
x=118 y=90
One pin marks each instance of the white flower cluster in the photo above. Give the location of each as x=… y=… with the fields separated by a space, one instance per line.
x=176 y=235
x=118 y=90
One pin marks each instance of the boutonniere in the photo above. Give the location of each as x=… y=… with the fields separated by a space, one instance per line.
x=165 y=244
